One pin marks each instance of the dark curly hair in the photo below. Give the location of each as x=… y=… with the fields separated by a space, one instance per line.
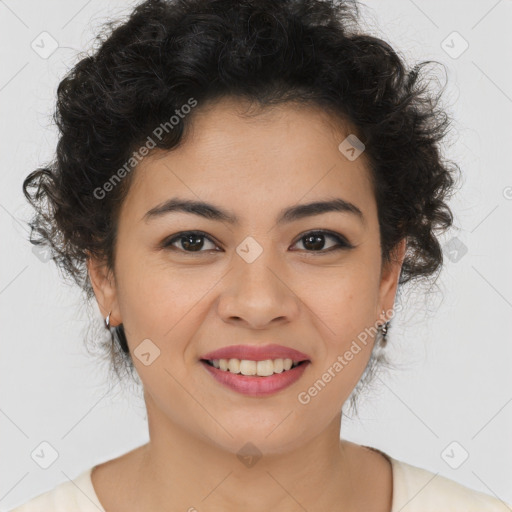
x=145 y=69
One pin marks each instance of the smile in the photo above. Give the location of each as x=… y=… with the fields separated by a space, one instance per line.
x=248 y=367
x=255 y=378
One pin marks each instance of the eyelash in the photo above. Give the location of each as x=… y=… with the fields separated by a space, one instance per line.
x=343 y=244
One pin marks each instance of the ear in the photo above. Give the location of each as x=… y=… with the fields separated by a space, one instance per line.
x=104 y=286
x=390 y=274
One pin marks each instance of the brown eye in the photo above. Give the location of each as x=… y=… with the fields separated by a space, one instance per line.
x=314 y=241
x=190 y=241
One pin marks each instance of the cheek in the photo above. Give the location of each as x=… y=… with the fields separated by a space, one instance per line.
x=343 y=310
x=343 y=302
x=164 y=304
x=343 y=317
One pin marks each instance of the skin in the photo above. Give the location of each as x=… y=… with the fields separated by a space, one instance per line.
x=188 y=304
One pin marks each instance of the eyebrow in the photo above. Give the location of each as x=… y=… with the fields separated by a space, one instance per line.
x=212 y=212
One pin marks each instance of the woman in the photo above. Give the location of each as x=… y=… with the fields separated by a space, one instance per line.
x=244 y=187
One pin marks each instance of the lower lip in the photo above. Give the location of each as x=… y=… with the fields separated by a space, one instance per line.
x=254 y=385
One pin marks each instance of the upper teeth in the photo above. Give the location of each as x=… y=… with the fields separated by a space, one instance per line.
x=260 y=368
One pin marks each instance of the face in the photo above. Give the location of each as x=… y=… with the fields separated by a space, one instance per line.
x=256 y=281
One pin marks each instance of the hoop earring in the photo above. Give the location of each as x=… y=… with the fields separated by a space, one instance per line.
x=107 y=321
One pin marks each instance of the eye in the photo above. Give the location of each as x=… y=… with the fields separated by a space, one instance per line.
x=190 y=241
x=314 y=241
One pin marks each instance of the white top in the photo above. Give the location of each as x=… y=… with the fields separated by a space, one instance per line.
x=414 y=490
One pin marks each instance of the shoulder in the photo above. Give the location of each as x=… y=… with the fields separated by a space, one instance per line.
x=77 y=495
x=419 y=490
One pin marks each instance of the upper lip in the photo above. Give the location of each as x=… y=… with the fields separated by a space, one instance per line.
x=256 y=353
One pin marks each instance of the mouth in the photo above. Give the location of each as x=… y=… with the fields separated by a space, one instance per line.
x=255 y=378
x=255 y=370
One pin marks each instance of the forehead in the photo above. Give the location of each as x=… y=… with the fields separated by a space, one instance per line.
x=253 y=161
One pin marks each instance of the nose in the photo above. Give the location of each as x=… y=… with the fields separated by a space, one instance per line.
x=258 y=294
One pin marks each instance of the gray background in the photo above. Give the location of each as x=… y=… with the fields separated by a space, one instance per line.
x=453 y=352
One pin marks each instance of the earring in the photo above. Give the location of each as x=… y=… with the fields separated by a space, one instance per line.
x=383 y=329
x=107 y=321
